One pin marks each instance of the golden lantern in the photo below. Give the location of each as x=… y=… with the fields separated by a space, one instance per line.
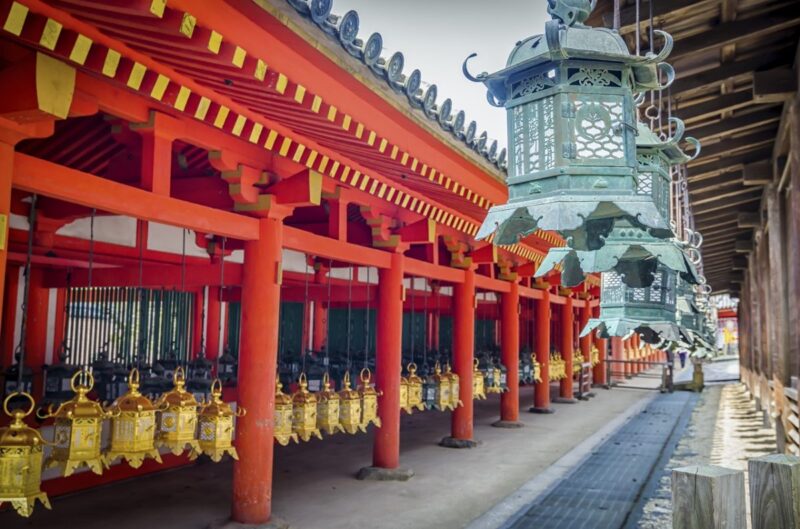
x=328 y=408
x=216 y=424
x=414 y=382
x=455 y=387
x=537 y=369
x=442 y=401
x=177 y=418
x=577 y=361
x=350 y=407
x=369 y=400
x=478 y=385
x=77 y=429
x=133 y=426
x=403 y=393
x=283 y=416
x=21 y=461
x=595 y=356
x=304 y=411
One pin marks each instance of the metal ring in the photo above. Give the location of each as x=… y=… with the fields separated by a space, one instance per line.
x=216 y=387
x=134 y=377
x=21 y=394
x=365 y=375
x=89 y=379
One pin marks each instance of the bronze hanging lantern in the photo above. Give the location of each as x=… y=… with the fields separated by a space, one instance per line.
x=216 y=425
x=133 y=426
x=304 y=411
x=283 y=417
x=350 y=407
x=328 y=408
x=537 y=369
x=571 y=122
x=369 y=400
x=415 y=390
x=442 y=389
x=177 y=417
x=21 y=461
x=478 y=388
x=77 y=429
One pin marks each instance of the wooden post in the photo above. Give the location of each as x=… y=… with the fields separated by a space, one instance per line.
x=708 y=497
x=509 y=401
x=541 y=396
x=775 y=491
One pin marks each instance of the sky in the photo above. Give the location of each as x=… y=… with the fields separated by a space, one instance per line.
x=437 y=35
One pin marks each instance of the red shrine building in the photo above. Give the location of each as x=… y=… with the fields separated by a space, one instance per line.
x=254 y=187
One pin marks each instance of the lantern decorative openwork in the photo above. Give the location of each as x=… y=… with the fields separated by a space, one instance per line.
x=77 y=429
x=442 y=389
x=478 y=387
x=133 y=426
x=537 y=370
x=629 y=249
x=403 y=393
x=577 y=361
x=369 y=400
x=350 y=407
x=558 y=367
x=328 y=408
x=177 y=417
x=595 y=355
x=649 y=311
x=304 y=411
x=569 y=97
x=525 y=369
x=455 y=386
x=21 y=460
x=415 y=390
x=283 y=432
x=216 y=425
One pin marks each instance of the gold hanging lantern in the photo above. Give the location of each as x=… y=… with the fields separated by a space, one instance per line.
x=283 y=417
x=478 y=383
x=455 y=387
x=350 y=407
x=177 y=418
x=415 y=384
x=328 y=408
x=595 y=356
x=443 y=400
x=537 y=369
x=21 y=461
x=577 y=361
x=403 y=393
x=77 y=429
x=216 y=425
x=133 y=426
x=304 y=411
x=369 y=400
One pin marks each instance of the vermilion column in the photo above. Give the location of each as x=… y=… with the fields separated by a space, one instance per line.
x=319 y=338
x=567 y=348
x=625 y=353
x=6 y=171
x=213 y=314
x=617 y=354
x=509 y=343
x=541 y=396
x=386 y=446
x=463 y=348
x=600 y=370
x=36 y=332
x=258 y=353
x=11 y=284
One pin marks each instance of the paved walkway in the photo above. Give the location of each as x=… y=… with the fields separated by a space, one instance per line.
x=314 y=486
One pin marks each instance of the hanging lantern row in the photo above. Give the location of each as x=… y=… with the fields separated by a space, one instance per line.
x=497 y=378
x=537 y=370
x=558 y=367
x=595 y=355
x=577 y=361
x=478 y=382
x=139 y=428
x=414 y=391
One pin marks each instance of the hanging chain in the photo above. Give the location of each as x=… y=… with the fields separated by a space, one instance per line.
x=139 y=355
x=183 y=282
x=26 y=292
x=638 y=30
x=425 y=313
x=328 y=318
x=412 y=320
x=366 y=320
x=221 y=296
x=349 y=311
x=306 y=320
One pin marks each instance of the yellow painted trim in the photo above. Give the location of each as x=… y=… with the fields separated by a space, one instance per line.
x=238 y=125
x=50 y=34
x=159 y=87
x=364 y=183
x=345 y=173
x=271 y=137
x=331 y=113
x=398 y=198
x=413 y=204
x=137 y=76
x=255 y=133
x=334 y=168
x=280 y=84
x=182 y=99
x=239 y=55
x=346 y=122
x=373 y=187
x=424 y=170
x=315 y=104
x=260 y=72
x=323 y=164
x=404 y=158
x=427 y=209
x=222 y=115
x=356 y=176
x=382 y=190
x=299 y=93
x=405 y=201
x=157 y=7
x=390 y=195
x=359 y=130
x=414 y=164
x=285 y=145
x=80 y=50
x=312 y=157
x=298 y=153
x=214 y=42
x=382 y=146
x=188 y=23
x=395 y=150
x=16 y=19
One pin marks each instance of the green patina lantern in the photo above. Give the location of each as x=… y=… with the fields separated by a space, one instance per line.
x=635 y=253
x=649 y=311
x=569 y=95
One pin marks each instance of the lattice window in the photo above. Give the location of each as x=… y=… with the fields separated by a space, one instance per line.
x=533 y=137
x=518 y=140
x=595 y=134
x=612 y=287
x=656 y=288
x=644 y=184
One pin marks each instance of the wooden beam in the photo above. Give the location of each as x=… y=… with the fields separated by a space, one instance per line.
x=627 y=15
x=749 y=219
x=46 y=178
x=774 y=86
x=730 y=126
x=716 y=195
x=757 y=174
x=739 y=262
x=742 y=199
x=689 y=112
x=722 y=180
x=719 y=74
x=327 y=248
x=743 y=246
x=749 y=140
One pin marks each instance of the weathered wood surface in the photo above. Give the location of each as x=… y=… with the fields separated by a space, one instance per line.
x=775 y=491
x=708 y=497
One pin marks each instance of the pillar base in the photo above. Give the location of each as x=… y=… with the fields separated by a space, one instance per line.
x=586 y=396
x=452 y=442
x=384 y=474
x=542 y=411
x=564 y=400
x=273 y=523
x=507 y=424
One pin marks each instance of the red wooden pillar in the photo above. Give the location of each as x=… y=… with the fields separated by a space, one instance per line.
x=509 y=342
x=626 y=356
x=463 y=353
x=11 y=285
x=213 y=315
x=319 y=336
x=7 y=297
x=386 y=445
x=584 y=314
x=541 y=396
x=567 y=349
x=258 y=353
x=600 y=370
x=36 y=332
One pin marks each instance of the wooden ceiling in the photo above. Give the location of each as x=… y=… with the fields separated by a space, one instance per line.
x=733 y=60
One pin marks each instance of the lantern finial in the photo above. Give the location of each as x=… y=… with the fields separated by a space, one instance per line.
x=570 y=12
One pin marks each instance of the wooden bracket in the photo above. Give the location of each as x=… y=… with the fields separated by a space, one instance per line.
x=458 y=252
x=381 y=227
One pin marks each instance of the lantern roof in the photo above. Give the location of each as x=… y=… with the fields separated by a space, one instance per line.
x=652 y=331
x=647 y=139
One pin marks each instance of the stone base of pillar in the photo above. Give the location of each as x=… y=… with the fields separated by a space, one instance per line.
x=586 y=396
x=452 y=442
x=273 y=523
x=564 y=400
x=542 y=411
x=507 y=424
x=384 y=474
